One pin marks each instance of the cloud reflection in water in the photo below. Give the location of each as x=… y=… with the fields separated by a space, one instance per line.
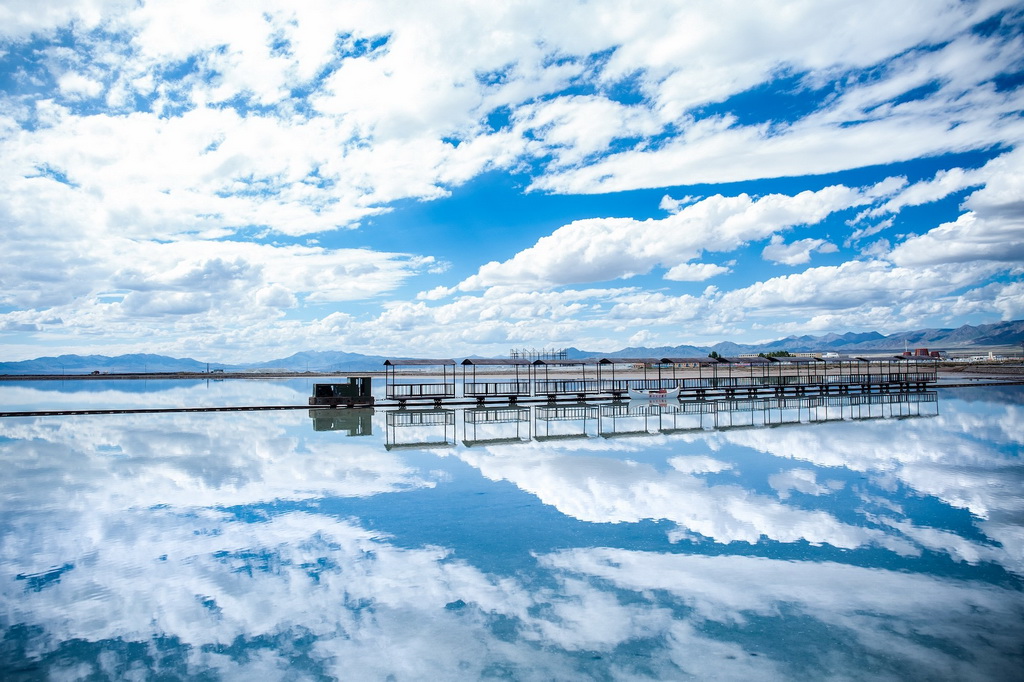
x=250 y=544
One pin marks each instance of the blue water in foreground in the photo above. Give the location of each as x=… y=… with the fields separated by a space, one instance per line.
x=766 y=542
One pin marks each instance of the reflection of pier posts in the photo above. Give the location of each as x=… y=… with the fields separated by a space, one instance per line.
x=639 y=418
x=802 y=409
x=652 y=378
x=427 y=428
x=495 y=425
x=553 y=422
x=688 y=416
x=506 y=424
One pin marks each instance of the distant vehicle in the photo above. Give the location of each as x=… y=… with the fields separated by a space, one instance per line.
x=217 y=371
x=355 y=392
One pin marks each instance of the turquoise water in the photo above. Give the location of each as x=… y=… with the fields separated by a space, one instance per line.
x=793 y=541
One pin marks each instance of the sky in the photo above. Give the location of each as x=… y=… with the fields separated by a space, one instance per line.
x=240 y=181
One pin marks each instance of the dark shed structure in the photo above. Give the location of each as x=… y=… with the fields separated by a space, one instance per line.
x=707 y=373
x=617 y=386
x=507 y=378
x=566 y=377
x=411 y=389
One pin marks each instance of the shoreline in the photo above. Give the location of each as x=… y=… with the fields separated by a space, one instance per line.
x=1013 y=373
x=183 y=376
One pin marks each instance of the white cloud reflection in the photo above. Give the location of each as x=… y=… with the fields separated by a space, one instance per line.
x=213 y=537
x=602 y=489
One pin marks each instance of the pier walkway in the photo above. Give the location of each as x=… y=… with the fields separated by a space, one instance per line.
x=514 y=380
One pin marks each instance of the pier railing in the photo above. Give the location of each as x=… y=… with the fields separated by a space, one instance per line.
x=495 y=389
x=510 y=379
x=405 y=391
x=567 y=387
x=400 y=389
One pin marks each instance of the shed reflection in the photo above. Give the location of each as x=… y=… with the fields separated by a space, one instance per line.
x=356 y=421
x=422 y=428
x=496 y=425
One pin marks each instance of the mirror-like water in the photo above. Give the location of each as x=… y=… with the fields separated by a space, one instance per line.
x=846 y=540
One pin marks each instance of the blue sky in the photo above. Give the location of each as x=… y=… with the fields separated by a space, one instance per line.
x=241 y=181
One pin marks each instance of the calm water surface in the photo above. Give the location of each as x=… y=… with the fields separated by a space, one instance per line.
x=771 y=541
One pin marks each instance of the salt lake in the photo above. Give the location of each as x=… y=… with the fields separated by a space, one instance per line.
x=874 y=540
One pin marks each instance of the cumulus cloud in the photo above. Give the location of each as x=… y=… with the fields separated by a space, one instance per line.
x=130 y=530
x=801 y=481
x=601 y=490
x=969 y=238
x=795 y=253
x=133 y=287
x=1006 y=299
x=993 y=228
x=77 y=85
x=944 y=183
x=253 y=123
x=854 y=284
x=695 y=272
x=598 y=250
x=842 y=134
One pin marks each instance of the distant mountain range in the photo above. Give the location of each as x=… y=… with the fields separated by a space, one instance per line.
x=312 y=361
x=967 y=336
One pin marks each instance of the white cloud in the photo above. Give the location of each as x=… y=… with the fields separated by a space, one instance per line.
x=864 y=232
x=842 y=134
x=802 y=481
x=602 y=490
x=602 y=249
x=265 y=119
x=212 y=172
x=927 y=191
x=732 y=154
x=76 y=85
x=572 y=128
x=133 y=288
x=674 y=205
x=795 y=253
x=853 y=285
x=1005 y=299
x=968 y=239
x=22 y=18
x=695 y=272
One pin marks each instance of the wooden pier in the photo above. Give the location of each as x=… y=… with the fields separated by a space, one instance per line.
x=410 y=383
x=514 y=380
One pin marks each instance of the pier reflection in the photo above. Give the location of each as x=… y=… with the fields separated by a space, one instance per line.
x=760 y=412
x=553 y=422
x=356 y=422
x=511 y=423
x=875 y=539
x=496 y=425
x=419 y=428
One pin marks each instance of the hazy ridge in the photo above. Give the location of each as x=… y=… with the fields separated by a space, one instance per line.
x=966 y=336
